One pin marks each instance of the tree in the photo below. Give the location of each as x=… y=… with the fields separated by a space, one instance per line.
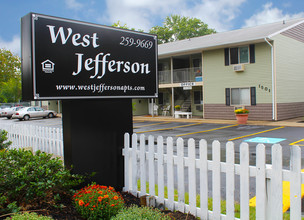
x=119 y=25
x=176 y=28
x=10 y=76
x=4 y=143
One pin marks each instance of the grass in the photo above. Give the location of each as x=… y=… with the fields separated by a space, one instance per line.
x=237 y=206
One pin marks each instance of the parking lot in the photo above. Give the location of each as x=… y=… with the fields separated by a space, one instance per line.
x=252 y=134
x=286 y=136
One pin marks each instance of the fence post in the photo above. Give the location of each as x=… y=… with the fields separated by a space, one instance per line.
x=261 y=193
x=230 y=182
x=180 y=174
x=244 y=180
x=160 y=165
x=192 y=176
x=151 y=166
x=216 y=179
x=295 y=184
x=134 y=165
x=276 y=182
x=268 y=194
x=142 y=164
x=170 y=173
x=203 y=148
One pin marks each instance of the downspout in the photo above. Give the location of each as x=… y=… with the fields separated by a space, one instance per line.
x=273 y=81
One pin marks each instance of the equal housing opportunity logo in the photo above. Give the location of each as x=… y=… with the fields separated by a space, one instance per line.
x=48 y=66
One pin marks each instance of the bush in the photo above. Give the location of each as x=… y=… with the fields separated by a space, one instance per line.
x=26 y=178
x=28 y=216
x=4 y=144
x=98 y=202
x=138 y=213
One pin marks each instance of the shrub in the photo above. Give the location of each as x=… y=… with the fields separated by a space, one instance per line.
x=137 y=213
x=28 y=216
x=33 y=179
x=3 y=140
x=98 y=202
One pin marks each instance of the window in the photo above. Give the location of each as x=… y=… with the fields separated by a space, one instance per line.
x=38 y=109
x=237 y=55
x=244 y=55
x=240 y=96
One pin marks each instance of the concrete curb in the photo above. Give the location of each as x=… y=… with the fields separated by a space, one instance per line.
x=295 y=122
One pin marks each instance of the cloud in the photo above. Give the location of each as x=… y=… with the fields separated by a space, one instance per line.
x=269 y=14
x=139 y=14
x=218 y=14
x=14 y=45
x=143 y=14
x=73 y=4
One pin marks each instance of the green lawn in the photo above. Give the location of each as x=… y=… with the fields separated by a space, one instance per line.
x=237 y=208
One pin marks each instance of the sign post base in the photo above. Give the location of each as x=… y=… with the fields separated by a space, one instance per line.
x=93 y=134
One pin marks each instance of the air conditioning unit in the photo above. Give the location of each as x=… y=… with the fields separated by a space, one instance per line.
x=239 y=68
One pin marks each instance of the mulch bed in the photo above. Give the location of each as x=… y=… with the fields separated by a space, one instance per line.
x=130 y=200
x=68 y=212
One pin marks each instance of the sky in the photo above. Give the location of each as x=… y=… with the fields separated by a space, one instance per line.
x=221 y=15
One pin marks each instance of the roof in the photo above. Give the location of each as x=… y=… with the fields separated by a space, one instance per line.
x=236 y=37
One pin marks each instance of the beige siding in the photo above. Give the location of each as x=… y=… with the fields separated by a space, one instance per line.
x=289 y=58
x=217 y=76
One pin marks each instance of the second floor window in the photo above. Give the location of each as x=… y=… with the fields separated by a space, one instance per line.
x=238 y=55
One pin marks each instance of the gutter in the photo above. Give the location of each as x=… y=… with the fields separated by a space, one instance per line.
x=273 y=81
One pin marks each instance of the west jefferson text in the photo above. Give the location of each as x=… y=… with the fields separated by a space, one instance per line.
x=108 y=66
x=100 y=59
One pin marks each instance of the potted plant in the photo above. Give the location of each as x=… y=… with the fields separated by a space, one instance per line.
x=177 y=108
x=241 y=115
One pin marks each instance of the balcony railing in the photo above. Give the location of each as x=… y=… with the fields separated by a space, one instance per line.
x=186 y=75
x=180 y=75
x=164 y=77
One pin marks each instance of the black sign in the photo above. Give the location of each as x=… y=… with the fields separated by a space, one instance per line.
x=67 y=59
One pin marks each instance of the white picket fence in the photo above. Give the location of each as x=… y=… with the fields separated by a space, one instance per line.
x=150 y=163
x=45 y=139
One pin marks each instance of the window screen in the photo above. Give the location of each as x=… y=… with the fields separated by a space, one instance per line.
x=240 y=96
x=244 y=56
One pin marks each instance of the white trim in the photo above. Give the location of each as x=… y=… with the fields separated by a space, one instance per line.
x=285 y=29
x=272 y=81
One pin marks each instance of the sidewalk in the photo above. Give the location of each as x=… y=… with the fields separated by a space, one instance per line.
x=295 y=122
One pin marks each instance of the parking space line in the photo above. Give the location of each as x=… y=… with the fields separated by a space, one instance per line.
x=214 y=129
x=136 y=121
x=232 y=139
x=160 y=123
x=171 y=128
x=295 y=143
